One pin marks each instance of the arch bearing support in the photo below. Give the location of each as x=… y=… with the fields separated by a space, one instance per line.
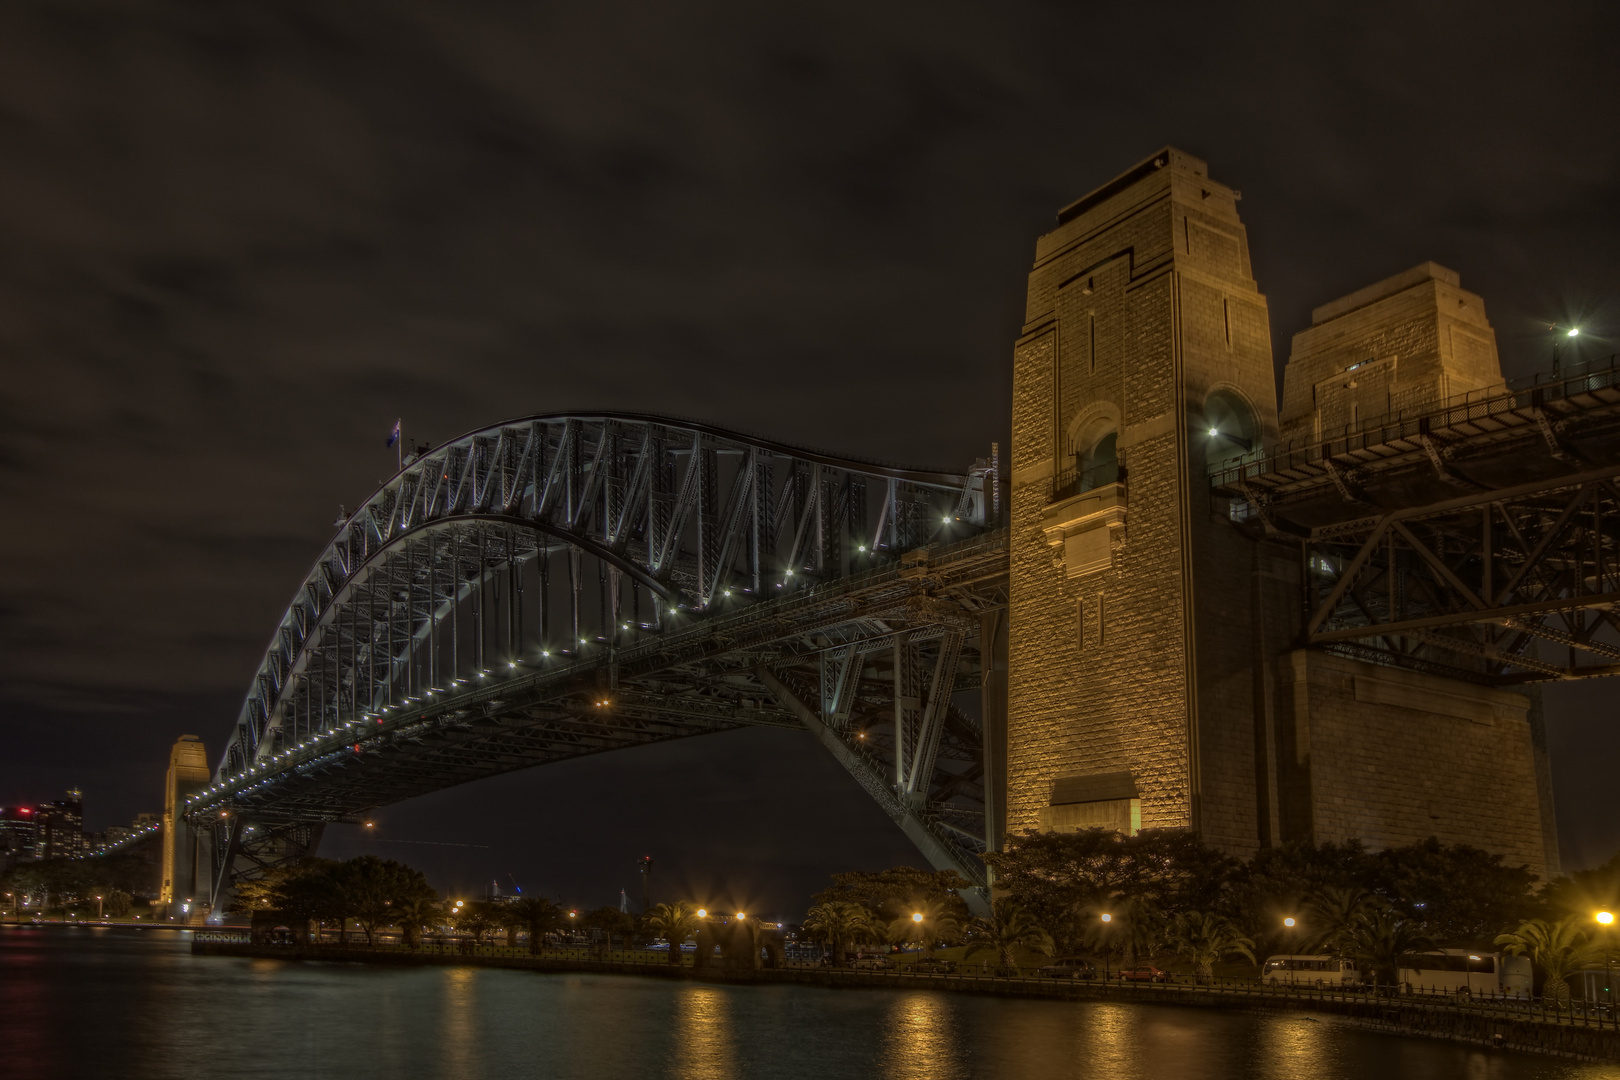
x=563 y=585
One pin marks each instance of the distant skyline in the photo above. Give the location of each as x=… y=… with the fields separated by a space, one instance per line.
x=238 y=244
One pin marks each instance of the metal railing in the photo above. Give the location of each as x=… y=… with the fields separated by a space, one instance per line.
x=1540 y=1010
x=1076 y=481
x=1515 y=396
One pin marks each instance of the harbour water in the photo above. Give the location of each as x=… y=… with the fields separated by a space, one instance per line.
x=104 y=1002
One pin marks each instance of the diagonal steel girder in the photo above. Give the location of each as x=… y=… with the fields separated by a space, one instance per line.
x=1495 y=570
x=698 y=675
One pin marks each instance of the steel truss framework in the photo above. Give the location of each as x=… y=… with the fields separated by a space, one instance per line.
x=1504 y=587
x=1475 y=539
x=564 y=585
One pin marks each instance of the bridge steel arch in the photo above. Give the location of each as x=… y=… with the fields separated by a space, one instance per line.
x=566 y=584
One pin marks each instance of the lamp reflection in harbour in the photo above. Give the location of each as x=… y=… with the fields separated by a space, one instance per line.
x=920 y=1039
x=460 y=1035
x=705 y=1046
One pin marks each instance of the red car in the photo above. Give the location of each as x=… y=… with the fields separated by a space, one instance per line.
x=1143 y=973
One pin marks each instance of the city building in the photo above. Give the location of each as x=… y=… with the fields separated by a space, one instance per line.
x=61 y=827
x=19 y=836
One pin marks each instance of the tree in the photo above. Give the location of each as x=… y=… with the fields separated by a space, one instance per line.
x=1585 y=891
x=895 y=892
x=1131 y=925
x=674 y=923
x=1459 y=894
x=938 y=924
x=415 y=913
x=612 y=922
x=116 y=903
x=1008 y=929
x=369 y=889
x=1277 y=881
x=1381 y=939
x=1558 y=948
x=840 y=924
x=1057 y=876
x=1203 y=939
x=477 y=918
x=536 y=914
x=306 y=892
x=1331 y=916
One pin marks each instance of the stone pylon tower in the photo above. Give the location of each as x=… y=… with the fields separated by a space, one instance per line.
x=188 y=773
x=1156 y=675
x=1138 y=622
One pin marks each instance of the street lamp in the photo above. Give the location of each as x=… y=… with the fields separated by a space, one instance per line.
x=1106 y=920
x=1572 y=332
x=1289 y=922
x=703 y=913
x=1605 y=919
x=98 y=909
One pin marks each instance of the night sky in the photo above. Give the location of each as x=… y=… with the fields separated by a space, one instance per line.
x=237 y=241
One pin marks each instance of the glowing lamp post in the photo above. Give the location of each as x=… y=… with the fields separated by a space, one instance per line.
x=1107 y=921
x=1605 y=919
x=1572 y=332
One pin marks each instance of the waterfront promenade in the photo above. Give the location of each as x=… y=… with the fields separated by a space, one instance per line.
x=1532 y=1025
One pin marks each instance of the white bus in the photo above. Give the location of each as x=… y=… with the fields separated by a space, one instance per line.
x=1321 y=971
x=1468 y=971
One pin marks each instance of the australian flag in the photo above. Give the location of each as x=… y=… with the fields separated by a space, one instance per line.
x=393 y=436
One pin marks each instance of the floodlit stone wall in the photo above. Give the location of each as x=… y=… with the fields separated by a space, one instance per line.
x=1153 y=675
x=1140 y=306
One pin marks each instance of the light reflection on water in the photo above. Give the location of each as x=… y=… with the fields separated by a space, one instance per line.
x=139 y=1006
x=459 y=1029
x=703 y=1034
x=920 y=1038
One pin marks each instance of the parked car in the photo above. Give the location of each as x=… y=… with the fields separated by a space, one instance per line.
x=872 y=963
x=1070 y=967
x=934 y=967
x=1143 y=973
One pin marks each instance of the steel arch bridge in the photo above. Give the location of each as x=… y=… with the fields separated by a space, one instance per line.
x=568 y=584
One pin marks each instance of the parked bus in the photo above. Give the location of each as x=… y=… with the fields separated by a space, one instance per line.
x=1319 y=971
x=1465 y=971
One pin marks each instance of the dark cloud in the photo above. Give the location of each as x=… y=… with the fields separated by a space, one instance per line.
x=237 y=241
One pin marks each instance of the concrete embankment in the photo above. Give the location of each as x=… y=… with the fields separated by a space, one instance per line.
x=1516 y=1026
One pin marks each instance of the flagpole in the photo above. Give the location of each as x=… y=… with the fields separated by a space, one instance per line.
x=399 y=445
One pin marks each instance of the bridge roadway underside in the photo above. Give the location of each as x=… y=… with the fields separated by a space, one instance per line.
x=1480 y=540
x=874 y=665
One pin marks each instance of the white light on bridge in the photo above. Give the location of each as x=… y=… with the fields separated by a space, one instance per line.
x=1574 y=331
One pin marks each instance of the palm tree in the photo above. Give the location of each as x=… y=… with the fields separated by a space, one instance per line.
x=1203 y=939
x=413 y=914
x=673 y=922
x=1129 y=924
x=536 y=914
x=1008 y=929
x=929 y=922
x=1381 y=938
x=1331 y=914
x=841 y=924
x=1558 y=949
